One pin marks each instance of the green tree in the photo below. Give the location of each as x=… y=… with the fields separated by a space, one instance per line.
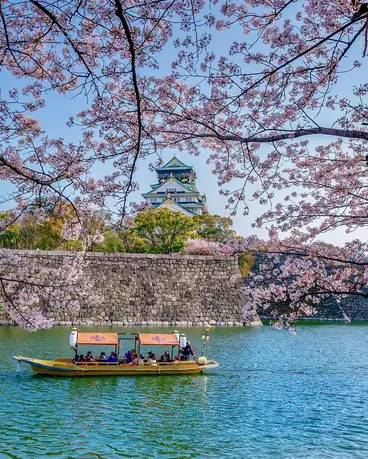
x=132 y=242
x=48 y=233
x=111 y=243
x=44 y=234
x=10 y=236
x=214 y=228
x=165 y=230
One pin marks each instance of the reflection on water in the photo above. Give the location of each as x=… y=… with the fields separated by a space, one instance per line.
x=274 y=396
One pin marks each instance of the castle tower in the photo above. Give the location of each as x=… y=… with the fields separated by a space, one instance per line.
x=176 y=189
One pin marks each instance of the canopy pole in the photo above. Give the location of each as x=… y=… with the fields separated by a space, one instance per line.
x=205 y=338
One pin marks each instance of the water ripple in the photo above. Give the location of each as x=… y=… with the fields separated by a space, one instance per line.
x=274 y=396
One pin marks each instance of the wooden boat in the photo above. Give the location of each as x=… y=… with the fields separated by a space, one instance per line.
x=71 y=367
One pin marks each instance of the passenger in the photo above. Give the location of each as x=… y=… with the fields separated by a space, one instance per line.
x=139 y=360
x=151 y=358
x=187 y=351
x=81 y=358
x=128 y=357
x=176 y=358
x=112 y=358
x=89 y=357
x=103 y=357
x=165 y=357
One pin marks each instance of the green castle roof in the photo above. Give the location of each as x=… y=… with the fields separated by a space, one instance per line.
x=184 y=206
x=175 y=164
x=191 y=187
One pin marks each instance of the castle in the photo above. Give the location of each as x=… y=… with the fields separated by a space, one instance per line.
x=176 y=189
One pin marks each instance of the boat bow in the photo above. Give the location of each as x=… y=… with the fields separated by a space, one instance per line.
x=49 y=364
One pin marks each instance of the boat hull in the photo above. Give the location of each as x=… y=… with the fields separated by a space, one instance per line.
x=65 y=367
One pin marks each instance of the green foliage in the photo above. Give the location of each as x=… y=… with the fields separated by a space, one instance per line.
x=111 y=243
x=155 y=231
x=10 y=237
x=49 y=234
x=132 y=242
x=72 y=246
x=214 y=228
x=165 y=231
x=246 y=262
x=44 y=236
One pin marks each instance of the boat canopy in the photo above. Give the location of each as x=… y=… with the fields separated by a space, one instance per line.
x=98 y=338
x=153 y=339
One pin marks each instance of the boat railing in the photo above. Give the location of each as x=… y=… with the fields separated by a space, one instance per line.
x=96 y=363
x=146 y=364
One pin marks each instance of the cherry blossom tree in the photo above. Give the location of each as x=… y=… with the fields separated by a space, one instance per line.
x=268 y=97
x=252 y=105
x=291 y=279
x=26 y=284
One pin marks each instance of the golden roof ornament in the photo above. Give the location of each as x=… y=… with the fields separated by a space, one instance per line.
x=168 y=195
x=171 y=176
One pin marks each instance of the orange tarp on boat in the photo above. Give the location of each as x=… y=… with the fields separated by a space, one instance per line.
x=155 y=339
x=98 y=338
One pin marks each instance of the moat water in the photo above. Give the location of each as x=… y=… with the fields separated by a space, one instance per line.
x=275 y=396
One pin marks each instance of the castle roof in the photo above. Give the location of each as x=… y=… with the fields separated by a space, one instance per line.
x=170 y=204
x=174 y=163
x=191 y=188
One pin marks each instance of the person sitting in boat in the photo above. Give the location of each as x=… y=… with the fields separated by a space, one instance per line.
x=151 y=358
x=139 y=360
x=165 y=357
x=187 y=351
x=128 y=357
x=89 y=357
x=103 y=357
x=81 y=358
x=112 y=358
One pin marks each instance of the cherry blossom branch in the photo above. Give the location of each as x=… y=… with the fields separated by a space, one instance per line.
x=121 y=16
x=292 y=134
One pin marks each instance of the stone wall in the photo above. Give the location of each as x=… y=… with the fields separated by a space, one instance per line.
x=145 y=289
